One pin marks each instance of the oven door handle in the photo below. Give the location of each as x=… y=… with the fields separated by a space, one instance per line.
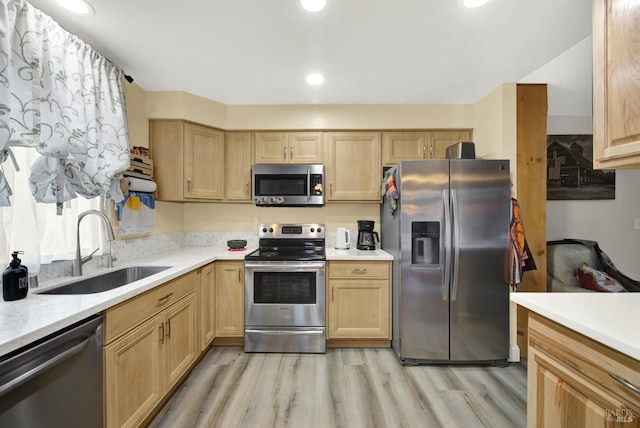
x=284 y=267
x=284 y=332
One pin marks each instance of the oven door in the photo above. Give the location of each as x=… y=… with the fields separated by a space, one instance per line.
x=284 y=294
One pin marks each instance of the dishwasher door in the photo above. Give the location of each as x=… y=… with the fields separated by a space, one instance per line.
x=56 y=382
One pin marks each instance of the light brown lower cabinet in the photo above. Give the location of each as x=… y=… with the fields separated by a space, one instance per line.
x=573 y=381
x=229 y=299
x=206 y=293
x=358 y=300
x=143 y=362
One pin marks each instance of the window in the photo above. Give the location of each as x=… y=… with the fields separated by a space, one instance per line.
x=35 y=228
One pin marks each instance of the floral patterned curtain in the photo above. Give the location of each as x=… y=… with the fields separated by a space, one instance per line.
x=66 y=101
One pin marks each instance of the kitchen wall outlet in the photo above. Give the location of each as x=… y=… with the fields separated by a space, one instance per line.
x=636 y=223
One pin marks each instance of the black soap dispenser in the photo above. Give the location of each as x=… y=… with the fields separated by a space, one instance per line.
x=15 y=279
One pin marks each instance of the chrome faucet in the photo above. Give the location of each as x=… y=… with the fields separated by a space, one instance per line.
x=79 y=261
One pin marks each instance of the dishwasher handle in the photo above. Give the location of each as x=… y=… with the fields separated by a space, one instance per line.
x=50 y=359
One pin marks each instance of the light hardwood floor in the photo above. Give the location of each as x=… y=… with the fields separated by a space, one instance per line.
x=343 y=388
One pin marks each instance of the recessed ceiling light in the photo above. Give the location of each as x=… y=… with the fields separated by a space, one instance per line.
x=315 y=79
x=474 y=3
x=79 y=7
x=313 y=5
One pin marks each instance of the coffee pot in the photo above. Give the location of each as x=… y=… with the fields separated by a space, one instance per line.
x=366 y=236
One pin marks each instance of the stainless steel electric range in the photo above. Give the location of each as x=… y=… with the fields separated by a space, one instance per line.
x=284 y=281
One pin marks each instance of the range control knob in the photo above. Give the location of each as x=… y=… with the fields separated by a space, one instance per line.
x=319 y=230
x=264 y=230
x=311 y=230
x=263 y=200
x=255 y=200
x=279 y=200
x=271 y=229
x=272 y=200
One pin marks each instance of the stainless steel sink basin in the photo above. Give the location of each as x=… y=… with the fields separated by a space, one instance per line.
x=107 y=281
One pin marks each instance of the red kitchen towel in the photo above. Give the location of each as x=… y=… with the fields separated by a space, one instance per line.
x=391 y=193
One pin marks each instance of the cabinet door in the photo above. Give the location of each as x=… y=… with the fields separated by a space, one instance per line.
x=438 y=141
x=239 y=159
x=305 y=147
x=616 y=106
x=134 y=380
x=566 y=399
x=271 y=147
x=398 y=146
x=229 y=299
x=207 y=298
x=354 y=170
x=165 y=141
x=203 y=163
x=180 y=339
x=358 y=309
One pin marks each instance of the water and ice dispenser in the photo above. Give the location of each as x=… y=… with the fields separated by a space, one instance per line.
x=425 y=242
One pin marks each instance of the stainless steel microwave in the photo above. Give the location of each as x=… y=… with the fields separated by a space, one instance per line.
x=288 y=185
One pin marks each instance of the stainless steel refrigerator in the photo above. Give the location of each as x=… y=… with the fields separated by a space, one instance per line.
x=449 y=236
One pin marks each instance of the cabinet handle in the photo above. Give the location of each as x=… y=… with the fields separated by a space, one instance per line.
x=360 y=270
x=240 y=277
x=291 y=152
x=332 y=288
x=331 y=188
x=163 y=300
x=626 y=383
x=162 y=333
x=188 y=185
x=431 y=152
x=168 y=328
x=284 y=153
x=424 y=152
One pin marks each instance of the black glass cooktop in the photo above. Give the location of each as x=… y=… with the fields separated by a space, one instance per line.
x=288 y=250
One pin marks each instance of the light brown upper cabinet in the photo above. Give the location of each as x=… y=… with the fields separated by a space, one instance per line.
x=438 y=141
x=409 y=145
x=239 y=158
x=616 y=83
x=189 y=160
x=353 y=170
x=289 y=147
x=398 y=146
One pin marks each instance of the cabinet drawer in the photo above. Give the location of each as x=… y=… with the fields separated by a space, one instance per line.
x=358 y=269
x=591 y=359
x=126 y=315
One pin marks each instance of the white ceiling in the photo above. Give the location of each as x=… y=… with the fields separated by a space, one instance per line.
x=370 y=51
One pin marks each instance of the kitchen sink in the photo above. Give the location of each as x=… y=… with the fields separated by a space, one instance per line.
x=107 y=281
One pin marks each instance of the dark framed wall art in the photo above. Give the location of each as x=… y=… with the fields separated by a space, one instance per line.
x=570 y=173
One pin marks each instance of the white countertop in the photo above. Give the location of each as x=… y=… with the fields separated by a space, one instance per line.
x=354 y=254
x=609 y=318
x=24 y=321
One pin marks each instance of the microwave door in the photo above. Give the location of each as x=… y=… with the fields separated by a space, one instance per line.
x=308 y=185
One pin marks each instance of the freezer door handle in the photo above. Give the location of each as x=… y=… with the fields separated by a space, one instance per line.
x=447 y=245
x=456 y=245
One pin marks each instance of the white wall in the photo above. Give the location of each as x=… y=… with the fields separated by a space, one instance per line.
x=610 y=222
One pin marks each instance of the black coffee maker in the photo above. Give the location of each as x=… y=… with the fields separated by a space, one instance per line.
x=366 y=236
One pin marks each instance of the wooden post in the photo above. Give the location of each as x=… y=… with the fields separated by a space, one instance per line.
x=532 y=190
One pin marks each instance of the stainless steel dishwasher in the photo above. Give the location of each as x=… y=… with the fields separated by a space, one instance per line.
x=55 y=382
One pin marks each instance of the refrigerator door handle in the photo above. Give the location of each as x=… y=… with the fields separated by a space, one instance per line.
x=447 y=244
x=456 y=245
